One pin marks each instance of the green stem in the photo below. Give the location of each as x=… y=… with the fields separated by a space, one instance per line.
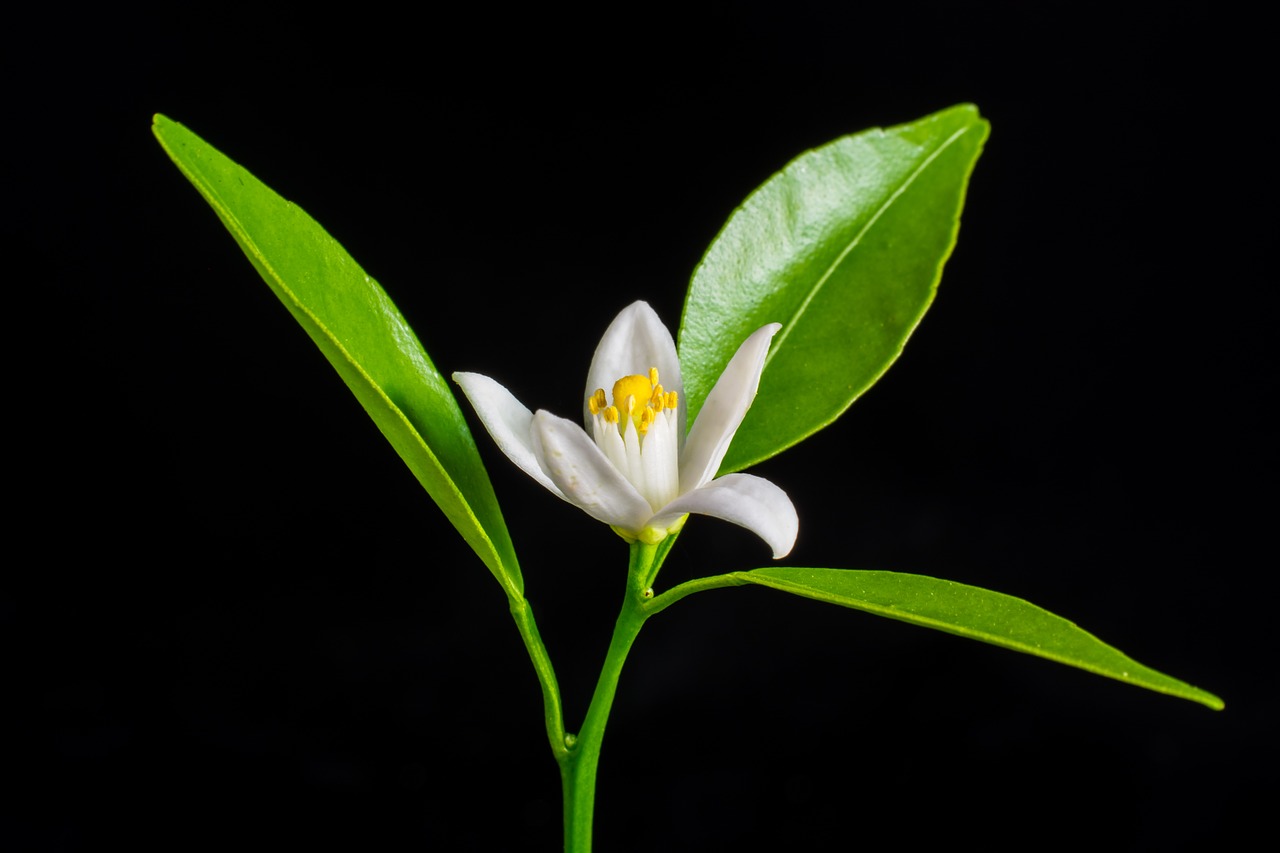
x=671 y=596
x=553 y=713
x=579 y=762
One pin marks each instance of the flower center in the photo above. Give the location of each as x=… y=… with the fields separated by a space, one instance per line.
x=641 y=397
x=639 y=435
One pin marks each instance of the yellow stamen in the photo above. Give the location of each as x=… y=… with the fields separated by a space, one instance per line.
x=597 y=402
x=639 y=397
x=658 y=400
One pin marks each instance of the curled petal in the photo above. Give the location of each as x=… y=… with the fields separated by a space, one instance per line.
x=509 y=423
x=635 y=341
x=584 y=477
x=743 y=499
x=724 y=409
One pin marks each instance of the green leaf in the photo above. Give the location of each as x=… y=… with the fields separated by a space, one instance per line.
x=970 y=611
x=844 y=247
x=364 y=336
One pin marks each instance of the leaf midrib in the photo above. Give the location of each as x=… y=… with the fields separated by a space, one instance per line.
x=796 y=315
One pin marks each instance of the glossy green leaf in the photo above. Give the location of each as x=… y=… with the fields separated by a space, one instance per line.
x=844 y=247
x=364 y=336
x=970 y=611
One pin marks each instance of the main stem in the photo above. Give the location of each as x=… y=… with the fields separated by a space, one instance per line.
x=579 y=761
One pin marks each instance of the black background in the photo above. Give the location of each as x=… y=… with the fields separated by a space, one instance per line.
x=232 y=618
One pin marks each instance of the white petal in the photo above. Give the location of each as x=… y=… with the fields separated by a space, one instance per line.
x=723 y=411
x=635 y=341
x=610 y=442
x=661 y=460
x=584 y=476
x=748 y=501
x=509 y=423
x=633 y=470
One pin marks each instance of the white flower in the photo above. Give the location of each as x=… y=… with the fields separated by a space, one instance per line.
x=633 y=467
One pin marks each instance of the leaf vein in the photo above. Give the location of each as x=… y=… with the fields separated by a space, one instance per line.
x=857 y=240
